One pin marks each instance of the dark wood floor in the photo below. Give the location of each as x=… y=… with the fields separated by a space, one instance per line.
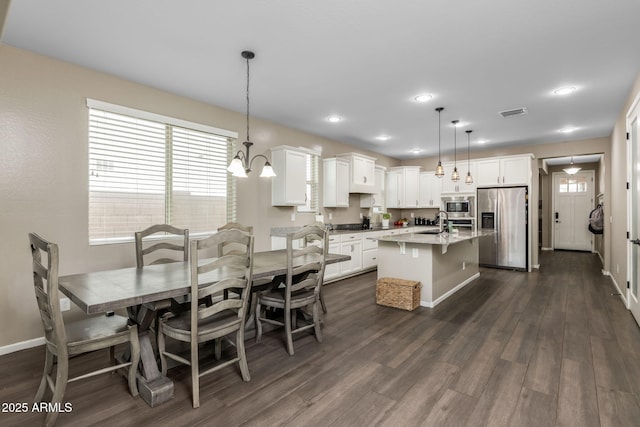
x=552 y=347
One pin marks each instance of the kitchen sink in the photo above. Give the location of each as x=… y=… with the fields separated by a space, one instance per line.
x=429 y=232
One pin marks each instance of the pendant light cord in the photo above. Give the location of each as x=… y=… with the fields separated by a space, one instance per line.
x=248 y=139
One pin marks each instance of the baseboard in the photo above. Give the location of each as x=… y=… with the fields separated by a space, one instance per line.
x=536 y=266
x=623 y=295
x=23 y=345
x=451 y=292
x=601 y=259
x=546 y=249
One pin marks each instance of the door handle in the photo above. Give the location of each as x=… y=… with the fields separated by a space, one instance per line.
x=636 y=242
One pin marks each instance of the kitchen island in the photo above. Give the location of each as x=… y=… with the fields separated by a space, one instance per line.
x=443 y=263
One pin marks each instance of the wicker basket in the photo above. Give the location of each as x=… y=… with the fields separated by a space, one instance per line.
x=398 y=293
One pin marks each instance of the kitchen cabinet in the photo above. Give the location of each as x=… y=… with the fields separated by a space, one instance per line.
x=361 y=172
x=377 y=198
x=351 y=244
x=459 y=187
x=288 y=187
x=370 y=250
x=331 y=271
x=513 y=170
x=430 y=190
x=402 y=187
x=335 y=183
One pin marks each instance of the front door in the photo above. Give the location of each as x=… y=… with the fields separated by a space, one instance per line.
x=634 y=216
x=572 y=202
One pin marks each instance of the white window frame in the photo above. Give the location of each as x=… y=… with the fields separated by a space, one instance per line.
x=171 y=124
x=312 y=190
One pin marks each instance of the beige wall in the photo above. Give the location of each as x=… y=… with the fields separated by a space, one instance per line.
x=43 y=172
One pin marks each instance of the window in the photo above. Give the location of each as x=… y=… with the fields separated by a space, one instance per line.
x=311 y=191
x=148 y=169
x=573 y=185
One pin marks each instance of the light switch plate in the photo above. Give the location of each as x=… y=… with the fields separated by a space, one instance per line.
x=415 y=252
x=65 y=304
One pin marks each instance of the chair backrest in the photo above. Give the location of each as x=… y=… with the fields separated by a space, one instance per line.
x=229 y=247
x=182 y=250
x=45 y=282
x=305 y=266
x=213 y=277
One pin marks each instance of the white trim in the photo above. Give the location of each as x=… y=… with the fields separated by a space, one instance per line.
x=622 y=294
x=546 y=249
x=127 y=111
x=448 y=294
x=23 y=345
x=536 y=266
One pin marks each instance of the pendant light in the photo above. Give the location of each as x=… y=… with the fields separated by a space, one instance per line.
x=571 y=170
x=455 y=176
x=240 y=166
x=439 y=168
x=469 y=179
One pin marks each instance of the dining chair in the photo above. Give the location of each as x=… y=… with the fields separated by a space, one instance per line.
x=204 y=323
x=66 y=340
x=150 y=250
x=302 y=287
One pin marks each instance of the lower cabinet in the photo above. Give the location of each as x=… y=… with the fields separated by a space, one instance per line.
x=351 y=244
x=331 y=271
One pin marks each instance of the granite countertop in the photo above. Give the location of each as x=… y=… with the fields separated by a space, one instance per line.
x=283 y=231
x=435 y=239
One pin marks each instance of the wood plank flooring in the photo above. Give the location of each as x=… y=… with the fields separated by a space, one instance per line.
x=548 y=348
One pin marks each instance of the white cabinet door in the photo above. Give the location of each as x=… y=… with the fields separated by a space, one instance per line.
x=504 y=171
x=430 y=190
x=369 y=258
x=458 y=187
x=377 y=198
x=515 y=170
x=411 y=185
x=393 y=188
x=332 y=271
x=288 y=187
x=335 y=181
x=354 y=250
x=362 y=172
x=488 y=172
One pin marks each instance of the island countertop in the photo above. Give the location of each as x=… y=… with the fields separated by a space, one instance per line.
x=434 y=239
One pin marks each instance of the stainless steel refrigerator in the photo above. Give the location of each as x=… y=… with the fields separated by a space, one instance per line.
x=504 y=209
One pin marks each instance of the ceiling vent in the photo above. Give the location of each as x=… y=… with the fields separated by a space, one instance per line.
x=514 y=112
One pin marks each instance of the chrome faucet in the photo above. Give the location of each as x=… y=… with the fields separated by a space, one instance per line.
x=441 y=221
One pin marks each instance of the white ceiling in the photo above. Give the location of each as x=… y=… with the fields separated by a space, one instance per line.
x=363 y=60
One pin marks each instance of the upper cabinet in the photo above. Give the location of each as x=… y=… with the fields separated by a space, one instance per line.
x=402 y=187
x=335 y=183
x=430 y=190
x=513 y=170
x=459 y=187
x=288 y=187
x=375 y=199
x=362 y=172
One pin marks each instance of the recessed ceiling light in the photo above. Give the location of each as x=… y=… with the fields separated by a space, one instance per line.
x=424 y=97
x=565 y=90
x=383 y=137
x=460 y=124
x=481 y=141
x=416 y=151
x=334 y=119
x=568 y=130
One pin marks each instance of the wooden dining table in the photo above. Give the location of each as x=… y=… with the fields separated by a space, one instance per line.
x=131 y=288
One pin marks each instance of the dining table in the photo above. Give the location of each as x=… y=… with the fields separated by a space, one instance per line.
x=134 y=288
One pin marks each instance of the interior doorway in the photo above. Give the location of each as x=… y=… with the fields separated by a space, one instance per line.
x=573 y=200
x=633 y=248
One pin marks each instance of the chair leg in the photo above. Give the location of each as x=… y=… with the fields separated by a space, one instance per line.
x=48 y=367
x=258 y=313
x=287 y=330
x=135 y=360
x=62 y=375
x=324 y=306
x=195 y=375
x=242 y=356
x=161 y=348
x=317 y=322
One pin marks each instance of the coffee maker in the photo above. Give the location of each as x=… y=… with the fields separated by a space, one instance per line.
x=366 y=223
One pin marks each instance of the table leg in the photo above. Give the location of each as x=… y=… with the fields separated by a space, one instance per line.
x=154 y=388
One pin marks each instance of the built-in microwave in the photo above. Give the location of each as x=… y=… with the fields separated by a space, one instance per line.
x=458 y=206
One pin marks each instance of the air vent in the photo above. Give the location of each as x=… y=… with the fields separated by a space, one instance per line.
x=514 y=112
